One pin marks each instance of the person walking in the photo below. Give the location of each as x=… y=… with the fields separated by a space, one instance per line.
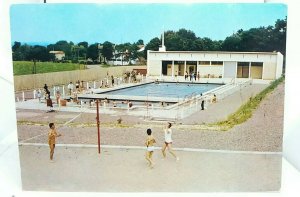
x=150 y=148
x=168 y=142
x=52 y=134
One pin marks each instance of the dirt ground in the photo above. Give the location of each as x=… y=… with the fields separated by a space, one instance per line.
x=125 y=169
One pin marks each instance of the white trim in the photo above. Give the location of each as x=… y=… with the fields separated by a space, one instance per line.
x=249 y=76
x=172 y=69
x=263 y=71
x=156 y=148
x=236 y=65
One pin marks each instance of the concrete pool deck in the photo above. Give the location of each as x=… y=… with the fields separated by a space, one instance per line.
x=190 y=114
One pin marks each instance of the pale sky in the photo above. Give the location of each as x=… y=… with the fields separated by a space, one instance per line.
x=120 y=23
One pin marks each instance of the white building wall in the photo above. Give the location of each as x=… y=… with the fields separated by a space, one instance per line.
x=230 y=69
x=213 y=56
x=269 y=71
x=59 y=56
x=272 y=61
x=154 y=67
x=215 y=71
x=279 y=65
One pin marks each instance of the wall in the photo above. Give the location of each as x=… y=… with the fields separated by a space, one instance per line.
x=279 y=65
x=154 y=67
x=230 y=69
x=25 y=82
x=212 y=70
x=269 y=71
x=272 y=60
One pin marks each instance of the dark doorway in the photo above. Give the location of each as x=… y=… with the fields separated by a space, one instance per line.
x=164 y=69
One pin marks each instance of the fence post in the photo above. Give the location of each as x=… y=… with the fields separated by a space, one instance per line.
x=63 y=91
x=87 y=85
x=54 y=94
x=23 y=96
x=34 y=94
x=94 y=84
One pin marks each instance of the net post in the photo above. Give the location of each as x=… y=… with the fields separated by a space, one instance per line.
x=98 y=125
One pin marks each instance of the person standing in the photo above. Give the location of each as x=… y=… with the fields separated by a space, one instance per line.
x=186 y=75
x=168 y=142
x=58 y=95
x=150 y=147
x=198 y=76
x=77 y=85
x=52 y=134
x=39 y=95
x=70 y=88
x=112 y=80
x=191 y=76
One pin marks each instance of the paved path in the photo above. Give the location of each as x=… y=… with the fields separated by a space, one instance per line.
x=126 y=170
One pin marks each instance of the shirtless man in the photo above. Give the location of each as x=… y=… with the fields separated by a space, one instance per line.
x=150 y=148
x=52 y=134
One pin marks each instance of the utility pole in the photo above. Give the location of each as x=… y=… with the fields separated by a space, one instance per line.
x=98 y=125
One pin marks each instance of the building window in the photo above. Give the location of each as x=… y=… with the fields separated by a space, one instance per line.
x=243 y=64
x=259 y=64
x=204 y=63
x=216 y=63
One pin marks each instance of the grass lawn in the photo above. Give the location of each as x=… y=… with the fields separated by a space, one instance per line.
x=245 y=111
x=26 y=67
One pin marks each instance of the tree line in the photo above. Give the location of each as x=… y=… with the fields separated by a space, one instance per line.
x=261 y=39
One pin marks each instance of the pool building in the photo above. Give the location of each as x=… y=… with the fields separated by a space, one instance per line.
x=215 y=64
x=166 y=93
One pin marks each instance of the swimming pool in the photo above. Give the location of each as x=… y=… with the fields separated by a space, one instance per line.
x=165 y=89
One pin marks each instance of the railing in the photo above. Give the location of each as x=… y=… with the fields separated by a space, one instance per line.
x=184 y=107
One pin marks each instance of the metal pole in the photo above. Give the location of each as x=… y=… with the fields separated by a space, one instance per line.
x=98 y=125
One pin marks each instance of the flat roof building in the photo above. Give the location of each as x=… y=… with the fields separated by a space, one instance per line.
x=215 y=64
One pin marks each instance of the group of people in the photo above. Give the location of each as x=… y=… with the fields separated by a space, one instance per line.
x=167 y=144
x=78 y=87
x=150 y=141
x=192 y=75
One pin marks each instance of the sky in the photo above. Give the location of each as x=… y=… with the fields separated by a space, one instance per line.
x=121 y=23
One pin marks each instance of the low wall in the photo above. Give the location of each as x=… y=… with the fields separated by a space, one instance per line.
x=27 y=82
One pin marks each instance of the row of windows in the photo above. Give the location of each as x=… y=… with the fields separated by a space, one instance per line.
x=217 y=63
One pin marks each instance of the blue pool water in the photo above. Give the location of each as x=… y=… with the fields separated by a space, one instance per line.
x=174 y=90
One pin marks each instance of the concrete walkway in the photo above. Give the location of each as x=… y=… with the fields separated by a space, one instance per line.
x=214 y=112
x=125 y=170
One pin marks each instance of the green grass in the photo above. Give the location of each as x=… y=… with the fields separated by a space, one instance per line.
x=26 y=67
x=245 y=111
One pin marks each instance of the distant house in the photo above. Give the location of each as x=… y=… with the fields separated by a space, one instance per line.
x=59 y=55
x=120 y=59
x=141 y=48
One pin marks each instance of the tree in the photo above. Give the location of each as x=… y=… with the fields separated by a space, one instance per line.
x=16 y=46
x=92 y=52
x=140 y=42
x=39 y=53
x=231 y=43
x=107 y=50
x=152 y=45
x=84 y=44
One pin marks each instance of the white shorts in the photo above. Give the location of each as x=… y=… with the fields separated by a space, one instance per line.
x=150 y=148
